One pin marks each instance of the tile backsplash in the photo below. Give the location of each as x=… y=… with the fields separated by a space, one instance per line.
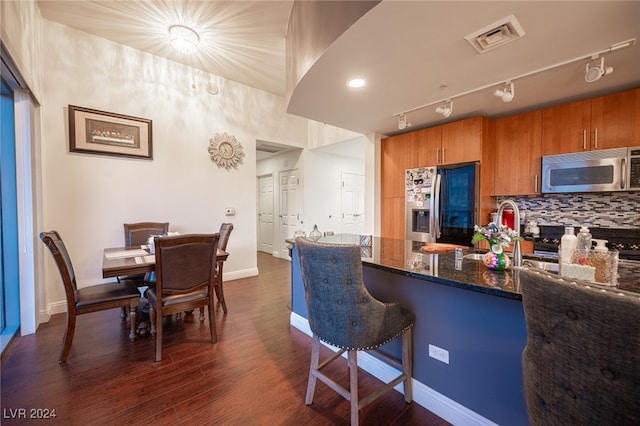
x=605 y=210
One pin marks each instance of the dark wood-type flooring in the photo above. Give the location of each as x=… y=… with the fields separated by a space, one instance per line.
x=256 y=374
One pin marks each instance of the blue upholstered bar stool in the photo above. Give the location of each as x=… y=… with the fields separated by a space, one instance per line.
x=581 y=365
x=342 y=313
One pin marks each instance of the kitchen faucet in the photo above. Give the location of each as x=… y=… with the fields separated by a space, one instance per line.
x=517 y=251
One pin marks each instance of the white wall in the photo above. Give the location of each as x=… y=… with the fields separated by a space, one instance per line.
x=87 y=197
x=323 y=188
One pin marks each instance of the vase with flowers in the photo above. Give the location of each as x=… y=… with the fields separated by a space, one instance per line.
x=499 y=238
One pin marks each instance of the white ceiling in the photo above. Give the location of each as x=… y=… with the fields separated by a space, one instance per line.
x=411 y=53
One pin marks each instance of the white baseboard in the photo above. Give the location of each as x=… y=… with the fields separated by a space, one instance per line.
x=236 y=275
x=423 y=395
x=52 y=309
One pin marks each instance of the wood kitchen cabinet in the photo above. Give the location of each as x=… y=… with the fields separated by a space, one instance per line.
x=462 y=141
x=610 y=121
x=518 y=154
x=398 y=153
x=457 y=142
x=451 y=143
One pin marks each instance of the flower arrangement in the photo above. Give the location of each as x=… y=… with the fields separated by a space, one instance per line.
x=498 y=236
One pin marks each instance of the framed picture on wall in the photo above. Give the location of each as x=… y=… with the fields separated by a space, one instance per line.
x=108 y=133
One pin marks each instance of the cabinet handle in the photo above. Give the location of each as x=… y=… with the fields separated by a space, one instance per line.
x=437 y=155
x=535 y=184
x=443 y=160
x=584 y=140
x=595 y=133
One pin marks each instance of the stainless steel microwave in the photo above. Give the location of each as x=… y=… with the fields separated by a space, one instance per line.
x=606 y=170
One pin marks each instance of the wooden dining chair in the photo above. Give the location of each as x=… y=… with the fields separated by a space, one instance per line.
x=137 y=234
x=88 y=299
x=185 y=280
x=225 y=232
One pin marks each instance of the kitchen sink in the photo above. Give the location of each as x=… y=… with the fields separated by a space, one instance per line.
x=474 y=256
x=547 y=266
x=532 y=263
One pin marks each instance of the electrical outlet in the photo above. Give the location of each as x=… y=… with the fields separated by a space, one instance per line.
x=439 y=354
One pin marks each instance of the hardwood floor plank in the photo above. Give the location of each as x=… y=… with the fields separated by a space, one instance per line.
x=256 y=374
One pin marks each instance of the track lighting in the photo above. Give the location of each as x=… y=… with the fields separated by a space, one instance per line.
x=595 y=70
x=507 y=94
x=445 y=109
x=402 y=122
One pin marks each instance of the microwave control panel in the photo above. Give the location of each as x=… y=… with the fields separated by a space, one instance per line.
x=634 y=167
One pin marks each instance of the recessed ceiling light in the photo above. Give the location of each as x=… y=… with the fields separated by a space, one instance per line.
x=356 y=82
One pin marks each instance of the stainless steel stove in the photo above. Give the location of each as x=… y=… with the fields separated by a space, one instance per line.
x=626 y=241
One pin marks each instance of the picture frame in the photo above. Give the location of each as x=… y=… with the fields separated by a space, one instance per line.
x=107 y=133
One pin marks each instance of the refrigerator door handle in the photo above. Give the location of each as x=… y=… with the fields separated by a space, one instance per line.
x=435 y=207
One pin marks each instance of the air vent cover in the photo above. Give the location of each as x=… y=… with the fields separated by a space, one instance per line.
x=497 y=34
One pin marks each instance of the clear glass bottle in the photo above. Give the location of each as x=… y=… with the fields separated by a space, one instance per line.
x=584 y=239
x=315 y=234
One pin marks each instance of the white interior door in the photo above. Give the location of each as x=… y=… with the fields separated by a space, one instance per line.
x=289 y=208
x=352 y=203
x=265 y=214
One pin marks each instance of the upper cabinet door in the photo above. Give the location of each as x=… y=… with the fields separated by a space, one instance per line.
x=610 y=121
x=615 y=120
x=398 y=153
x=462 y=141
x=566 y=128
x=518 y=154
x=429 y=146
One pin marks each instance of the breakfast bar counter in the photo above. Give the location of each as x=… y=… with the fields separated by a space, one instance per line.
x=472 y=313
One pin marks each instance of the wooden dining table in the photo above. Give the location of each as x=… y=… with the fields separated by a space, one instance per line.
x=121 y=261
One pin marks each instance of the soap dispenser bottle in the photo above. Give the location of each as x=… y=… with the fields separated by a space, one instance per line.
x=602 y=262
x=568 y=244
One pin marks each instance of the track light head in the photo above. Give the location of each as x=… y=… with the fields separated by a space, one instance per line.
x=402 y=122
x=445 y=109
x=507 y=94
x=596 y=69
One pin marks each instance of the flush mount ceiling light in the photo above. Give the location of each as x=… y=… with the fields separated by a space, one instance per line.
x=507 y=94
x=445 y=109
x=596 y=69
x=184 y=39
x=356 y=83
x=402 y=122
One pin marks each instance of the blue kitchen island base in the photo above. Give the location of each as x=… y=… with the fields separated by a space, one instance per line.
x=483 y=333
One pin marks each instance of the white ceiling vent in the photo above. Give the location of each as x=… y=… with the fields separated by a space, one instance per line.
x=497 y=34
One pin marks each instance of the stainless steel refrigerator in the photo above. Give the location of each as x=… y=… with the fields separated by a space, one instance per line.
x=442 y=203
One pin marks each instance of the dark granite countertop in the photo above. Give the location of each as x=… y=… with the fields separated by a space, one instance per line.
x=405 y=258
